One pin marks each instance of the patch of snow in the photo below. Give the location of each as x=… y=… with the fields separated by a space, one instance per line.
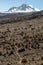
x=31 y=6
x=37 y=9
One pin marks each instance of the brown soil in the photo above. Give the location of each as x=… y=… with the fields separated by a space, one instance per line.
x=21 y=43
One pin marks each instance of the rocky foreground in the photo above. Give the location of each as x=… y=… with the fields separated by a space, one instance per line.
x=21 y=43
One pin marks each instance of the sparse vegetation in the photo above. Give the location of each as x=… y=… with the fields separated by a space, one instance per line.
x=21 y=42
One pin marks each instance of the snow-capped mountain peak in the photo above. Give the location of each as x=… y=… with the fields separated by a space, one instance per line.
x=22 y=9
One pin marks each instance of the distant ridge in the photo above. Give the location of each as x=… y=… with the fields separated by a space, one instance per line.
x=22 y=9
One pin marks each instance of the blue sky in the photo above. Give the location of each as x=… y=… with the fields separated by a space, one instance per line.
x=6 y=4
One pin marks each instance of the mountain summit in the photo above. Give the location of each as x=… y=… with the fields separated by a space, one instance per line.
x=22 y=9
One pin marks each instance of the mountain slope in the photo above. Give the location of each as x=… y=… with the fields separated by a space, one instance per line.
x=19 y=17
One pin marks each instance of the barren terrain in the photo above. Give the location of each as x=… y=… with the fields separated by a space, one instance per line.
x=21 y=42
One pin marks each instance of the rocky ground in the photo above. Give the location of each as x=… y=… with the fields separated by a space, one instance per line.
x=21 y=43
